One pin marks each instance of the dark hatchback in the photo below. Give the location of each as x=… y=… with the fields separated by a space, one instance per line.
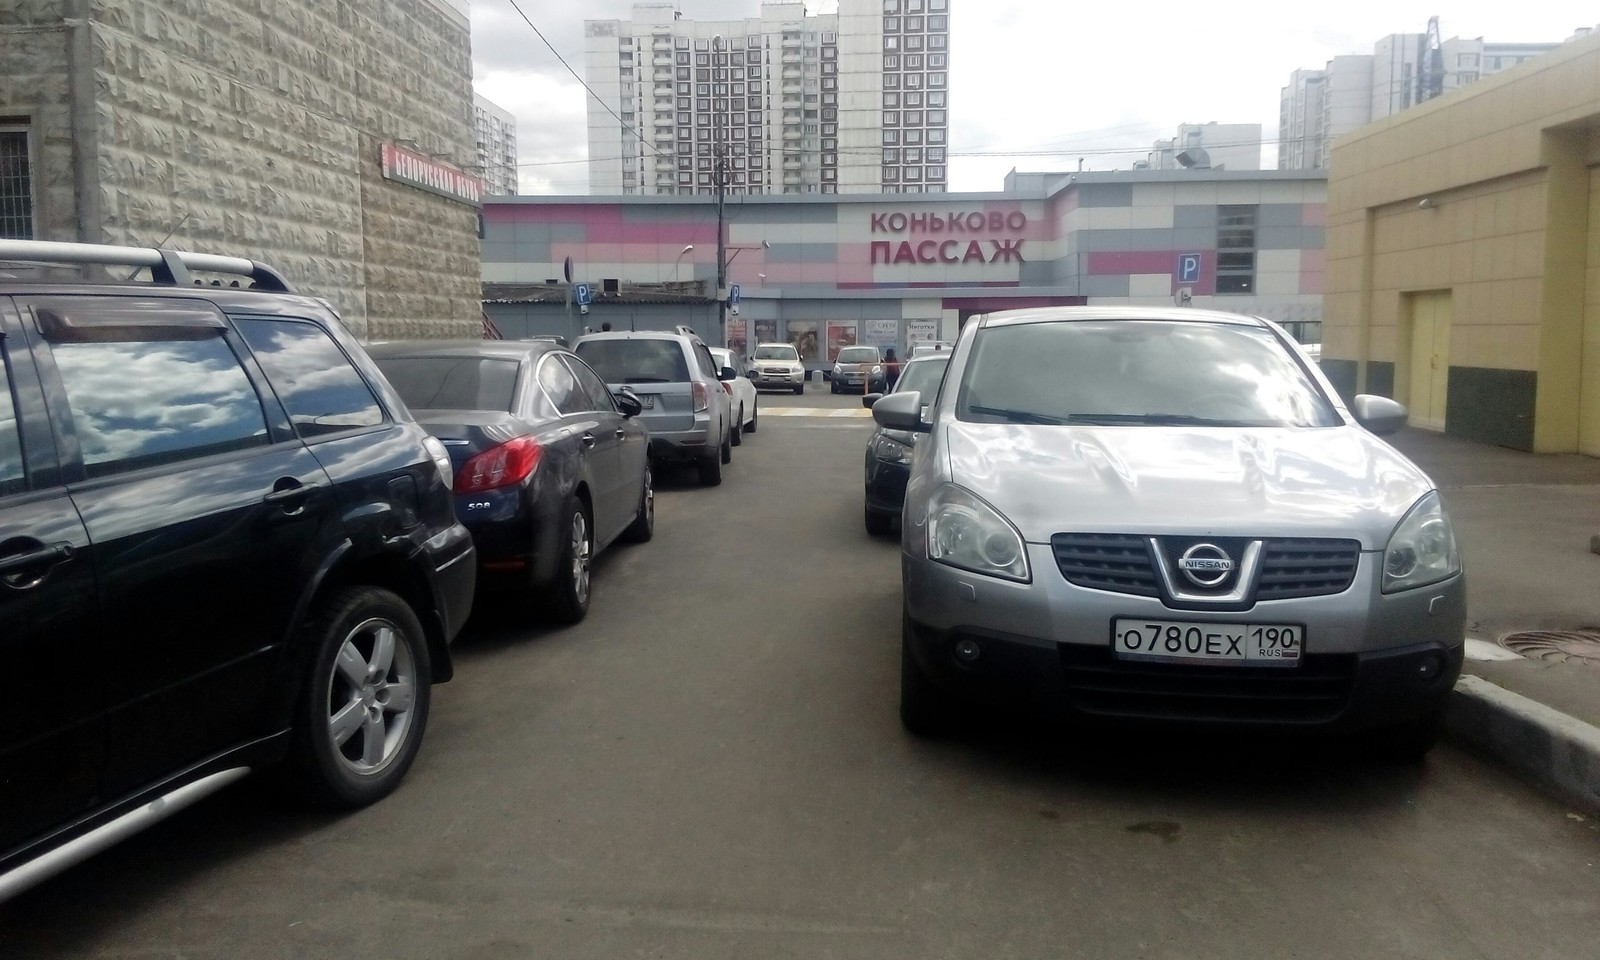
x=550 y=466
x=224 y=543
x=889 y=451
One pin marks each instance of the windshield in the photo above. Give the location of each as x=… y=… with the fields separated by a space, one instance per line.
x=858 y=355
x=724 y=358
x=1138 y=372
x=923 y=376
x=452 y=383
x=635 y=361
x=776 y=351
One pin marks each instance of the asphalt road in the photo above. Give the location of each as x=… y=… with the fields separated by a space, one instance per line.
x=711 y=766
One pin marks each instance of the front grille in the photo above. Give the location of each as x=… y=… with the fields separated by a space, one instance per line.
x=1315 y=691
x=1106 y=561
x=1306 y=568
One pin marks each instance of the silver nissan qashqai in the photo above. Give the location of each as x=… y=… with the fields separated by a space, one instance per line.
x=1169 y=514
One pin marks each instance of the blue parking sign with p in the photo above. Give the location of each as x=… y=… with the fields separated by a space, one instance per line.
x=582 y=294
x=1188 y=268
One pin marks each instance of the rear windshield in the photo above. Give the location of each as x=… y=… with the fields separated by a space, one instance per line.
x=452 y=383
x=858 y=355
x=1139 y=372
x=923 y=376
x=776 y=351
x=635 y=361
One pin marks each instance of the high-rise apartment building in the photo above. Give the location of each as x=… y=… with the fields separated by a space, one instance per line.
x=496 y=130
x=783 y=102
x=1403 y=70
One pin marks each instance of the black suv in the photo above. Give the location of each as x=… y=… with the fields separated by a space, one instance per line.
x=224 y=543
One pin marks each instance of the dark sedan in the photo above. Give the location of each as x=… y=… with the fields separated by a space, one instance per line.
x=889 y=451
x=551 y=467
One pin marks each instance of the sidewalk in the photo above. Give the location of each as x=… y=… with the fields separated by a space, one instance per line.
x=1524 y=522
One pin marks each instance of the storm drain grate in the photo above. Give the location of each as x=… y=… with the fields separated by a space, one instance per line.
x=1561 y=646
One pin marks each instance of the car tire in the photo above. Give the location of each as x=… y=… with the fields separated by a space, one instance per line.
x=1409 y=742
x=799 y=389
x=711 y=471
x=567 y=599
x=725 y=453
x=643 y=526
x=925 y=710
x=833 y=387
x=368 y=672
x=878 y=523
x=737 y=434
x=755 y=411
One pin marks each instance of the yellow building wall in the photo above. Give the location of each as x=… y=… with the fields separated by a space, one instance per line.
x=1492 y=194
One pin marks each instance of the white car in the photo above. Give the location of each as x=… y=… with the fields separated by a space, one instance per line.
x=778 y=366
x=741 y=392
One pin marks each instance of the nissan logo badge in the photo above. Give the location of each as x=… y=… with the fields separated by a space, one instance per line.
x=1206 y=564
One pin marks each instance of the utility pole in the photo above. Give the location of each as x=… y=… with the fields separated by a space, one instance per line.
x=719 y=176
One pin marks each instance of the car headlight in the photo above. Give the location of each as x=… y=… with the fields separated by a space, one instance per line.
x=1422 y=549
x=891 y=448
x=838 y=370
x=965 y=532
x=877 y=371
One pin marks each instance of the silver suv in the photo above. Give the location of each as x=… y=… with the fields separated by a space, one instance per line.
x=1169 y=515
x=685 y=407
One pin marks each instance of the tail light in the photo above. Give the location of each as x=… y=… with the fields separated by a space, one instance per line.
x=500 y=466
x=702 y=397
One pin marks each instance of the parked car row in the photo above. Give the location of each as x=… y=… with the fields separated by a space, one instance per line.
x=1161 y=515
x=232 y=538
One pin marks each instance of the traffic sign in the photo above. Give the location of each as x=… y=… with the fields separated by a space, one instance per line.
x=733 y=299
x=1188 y=268
x=583 y=293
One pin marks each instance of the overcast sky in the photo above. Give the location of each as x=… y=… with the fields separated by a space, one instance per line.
x=1098 y=80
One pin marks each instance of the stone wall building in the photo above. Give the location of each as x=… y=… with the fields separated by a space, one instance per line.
x=255 y=128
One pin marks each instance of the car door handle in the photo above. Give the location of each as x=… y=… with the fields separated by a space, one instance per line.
x=588 y=439
x=15 y=567
x=621 y=433
x=288 y=492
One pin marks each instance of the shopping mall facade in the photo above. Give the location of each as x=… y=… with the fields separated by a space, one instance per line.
x=823 y=271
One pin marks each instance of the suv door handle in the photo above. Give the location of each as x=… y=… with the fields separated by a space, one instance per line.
x=588 y=439
x=287 y=493
x=14 y=568
x=621 y=433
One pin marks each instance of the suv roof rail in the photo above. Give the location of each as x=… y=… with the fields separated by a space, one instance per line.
x=166 y=266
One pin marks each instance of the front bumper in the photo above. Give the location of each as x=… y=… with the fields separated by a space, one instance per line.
x=766 y=379
x=1369 y=659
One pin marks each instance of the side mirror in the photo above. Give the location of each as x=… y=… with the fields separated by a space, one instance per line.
x=752 y=374
x=869 y=399
x=1379 y=414
x=728 y=373
x=901 y=411
x=628 y=402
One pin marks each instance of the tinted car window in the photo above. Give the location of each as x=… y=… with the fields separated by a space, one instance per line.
x=593 y=387
x=452 y=383
x=858 y=355
x=776 y=352
x=923 y=376
x=707 y=365
x=562 y=387
x=635 y=361
x=1139 y=371
x=12 y=479
x=321 y=390
x=136 y=404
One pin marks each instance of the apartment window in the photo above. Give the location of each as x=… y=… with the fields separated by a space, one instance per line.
x=702 y=44
x=935 y=79
x=936 y=60
x=935 y=117
x=938 y=5
x=913 y=43
x=891 y=81
x=704 y=120
x=913 y=173
x=625 y=72
x=684 y=74
x=704 y=134
x=891 y=100
x=913 y=24
x=830 y=113
x=913 y=81
x=830 y=83
x=891 y=62
x=685 y=118
x=913 y=155
x=913 y=136
x=891 y=155
x=684 y=89
x=891 y=43
x=936 y=154
x=829 y=129
x=936 y=98
x=936 y=41
x=891 y=174
x=913 y=118
x=829 y=68
x=810 y=128
x=1469 y=60
x=891 y=6
x=1236 y=243
x=830 y=144
x=721 y=90
x=936 y=173
x=891 y=24
x=829 y=174
x=702 y=89
x=830 y=99
x=891 y=137
x=1467 y=76
x=681 y=43
x=738 y=89
x=704 y=106
x=938 y=23
x=891 y=118
x=755 y=86
x=914 y=62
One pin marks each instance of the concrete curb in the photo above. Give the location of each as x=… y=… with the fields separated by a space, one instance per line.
x=1555 y=751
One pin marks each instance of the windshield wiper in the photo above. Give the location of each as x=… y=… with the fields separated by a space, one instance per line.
x=1017 y=416
x=1159 y=420
x=645 y=380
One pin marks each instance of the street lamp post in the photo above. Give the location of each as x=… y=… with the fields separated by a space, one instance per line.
x=687 y=249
